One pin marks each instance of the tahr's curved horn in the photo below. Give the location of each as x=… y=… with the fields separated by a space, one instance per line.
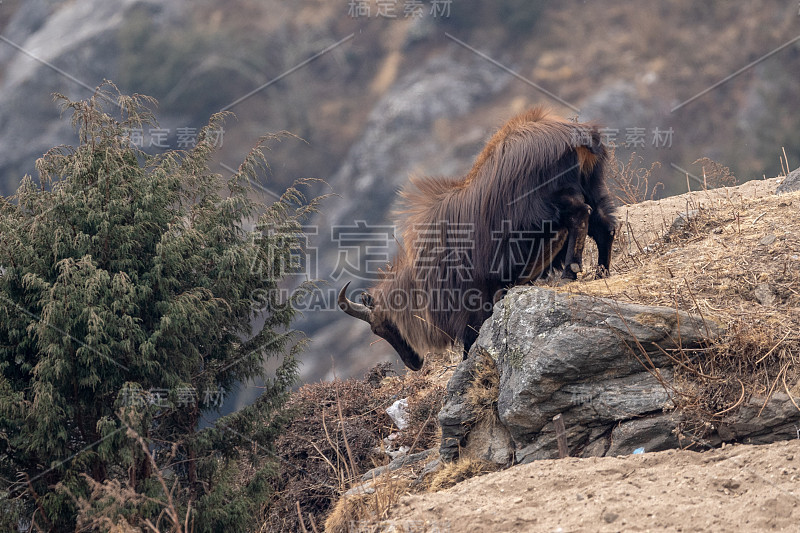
x=360 y=311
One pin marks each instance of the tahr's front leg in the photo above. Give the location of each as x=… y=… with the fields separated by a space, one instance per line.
x=576 y=219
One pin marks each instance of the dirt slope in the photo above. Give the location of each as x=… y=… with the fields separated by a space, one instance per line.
x=738 y=488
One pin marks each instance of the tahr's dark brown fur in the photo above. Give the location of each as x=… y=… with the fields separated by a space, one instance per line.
x=534 y=193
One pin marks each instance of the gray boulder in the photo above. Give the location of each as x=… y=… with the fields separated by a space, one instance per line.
x=760 y=422
x=605 y=366
x=400 y=462
x=790 y=183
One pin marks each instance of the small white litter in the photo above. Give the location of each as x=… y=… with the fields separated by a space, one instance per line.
x=398 y=412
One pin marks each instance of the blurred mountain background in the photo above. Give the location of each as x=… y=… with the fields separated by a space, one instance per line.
x=376 y=90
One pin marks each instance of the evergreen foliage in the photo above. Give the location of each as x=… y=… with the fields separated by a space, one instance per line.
x=126 y=312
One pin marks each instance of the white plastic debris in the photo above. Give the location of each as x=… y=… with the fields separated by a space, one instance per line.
x=398 y=412
x=401 y=451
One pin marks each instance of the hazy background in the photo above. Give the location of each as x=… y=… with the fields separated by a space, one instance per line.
x=377 y=90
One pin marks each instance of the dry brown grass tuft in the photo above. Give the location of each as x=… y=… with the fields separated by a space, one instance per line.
x=456 y=472
x=735 y=263
x=484 y=389
x=364 y=512
x=631 y=183
x=715 y=174
x=443 y=361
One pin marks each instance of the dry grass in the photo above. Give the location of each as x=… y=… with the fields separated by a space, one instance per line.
x=736 y=262
x=484 y=389
x=715 y=174
x=630 y=183
x=364 y=512
x=445 y=361
x=337 y=434
x=458 y=471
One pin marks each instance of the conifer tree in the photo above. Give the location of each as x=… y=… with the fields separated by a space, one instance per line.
x=126 y=312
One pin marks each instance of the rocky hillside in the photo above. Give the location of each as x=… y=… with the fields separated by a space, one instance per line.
x=376 y=94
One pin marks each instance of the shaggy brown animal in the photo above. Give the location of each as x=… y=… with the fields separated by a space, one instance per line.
x=534 y=193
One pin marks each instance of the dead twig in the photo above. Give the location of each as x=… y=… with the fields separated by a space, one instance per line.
x=772 y=388
x=737 y=404
x=300 y=518
x=789 y=394
x=774 y=347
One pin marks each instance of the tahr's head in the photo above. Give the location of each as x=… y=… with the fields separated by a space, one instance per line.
x=373 y=311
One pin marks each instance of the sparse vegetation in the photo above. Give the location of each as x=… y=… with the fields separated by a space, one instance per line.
x=631 y=183
x=338 y=432
x=365 y=511
x=731 y=262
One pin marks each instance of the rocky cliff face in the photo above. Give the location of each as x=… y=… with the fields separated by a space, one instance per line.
x=597 y=362
x=605 y=366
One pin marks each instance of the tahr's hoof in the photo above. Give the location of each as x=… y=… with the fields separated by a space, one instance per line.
x=569 y=273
